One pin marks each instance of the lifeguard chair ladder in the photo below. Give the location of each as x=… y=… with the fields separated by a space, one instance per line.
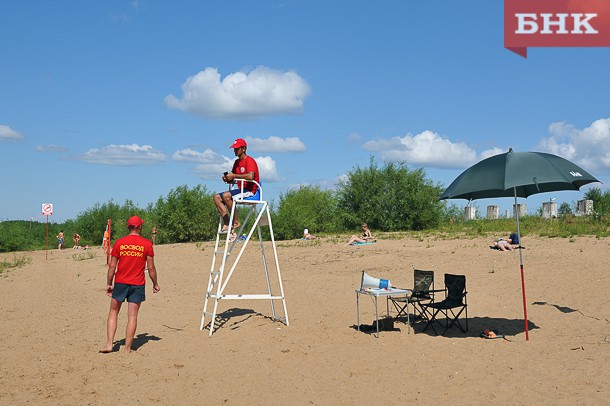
x=217 y=285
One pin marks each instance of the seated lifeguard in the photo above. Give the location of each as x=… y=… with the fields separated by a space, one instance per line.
x=244 y=168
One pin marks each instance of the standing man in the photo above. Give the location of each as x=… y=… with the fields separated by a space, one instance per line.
x=131 y=255
x=244 y=168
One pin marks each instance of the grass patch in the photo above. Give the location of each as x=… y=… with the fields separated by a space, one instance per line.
x=299 y=243
x=84 y=256
x=17 y=262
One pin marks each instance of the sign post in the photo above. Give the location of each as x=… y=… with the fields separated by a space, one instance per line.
x=47 y=210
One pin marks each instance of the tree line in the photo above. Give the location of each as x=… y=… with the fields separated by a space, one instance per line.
x=388 y=198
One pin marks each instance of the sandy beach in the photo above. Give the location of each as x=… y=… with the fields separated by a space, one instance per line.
x=54 y=321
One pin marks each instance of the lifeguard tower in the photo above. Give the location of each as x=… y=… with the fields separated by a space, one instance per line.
x=258 y=215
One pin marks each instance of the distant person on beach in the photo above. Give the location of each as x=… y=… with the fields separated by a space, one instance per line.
x=154 y=234
x=503 y=245
x=365 y=237
x=506 y=244
x=60 y=238
x=308 y=236
x=106 y=241
x=244 y=168
x=131 y=256
x=76 y=239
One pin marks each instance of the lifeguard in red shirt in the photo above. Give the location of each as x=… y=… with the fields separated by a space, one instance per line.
x=244 y=168
x=132 y=255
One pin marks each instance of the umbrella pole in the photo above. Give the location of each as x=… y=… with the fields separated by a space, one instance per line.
x=527 y=335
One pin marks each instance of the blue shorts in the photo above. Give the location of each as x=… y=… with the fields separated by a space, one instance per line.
x=133 y=293
x=237 y=194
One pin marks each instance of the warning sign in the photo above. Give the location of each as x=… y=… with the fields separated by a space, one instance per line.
x=47 y=209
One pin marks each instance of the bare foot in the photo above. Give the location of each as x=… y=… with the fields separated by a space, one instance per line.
x=106 y=350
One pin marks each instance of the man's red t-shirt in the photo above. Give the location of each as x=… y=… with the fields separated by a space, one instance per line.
x=243 y=166
x=132 y=251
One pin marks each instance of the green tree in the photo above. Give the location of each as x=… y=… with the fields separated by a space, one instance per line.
x=601 y=200
x=22 y=235
x=452 y=213
x=185 y=215
x=390 y=198
x=306 y=207
x=564 y=209
x=91 y=223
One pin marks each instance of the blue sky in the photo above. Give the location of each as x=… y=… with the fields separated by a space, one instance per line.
x=121 y=99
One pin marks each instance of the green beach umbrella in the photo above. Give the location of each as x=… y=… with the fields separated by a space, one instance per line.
x=518 y=174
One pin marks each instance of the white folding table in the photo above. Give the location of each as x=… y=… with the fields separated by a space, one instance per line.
x=375 y=294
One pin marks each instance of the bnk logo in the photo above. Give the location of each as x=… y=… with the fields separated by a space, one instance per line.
x=575 y=174
x=555 y=23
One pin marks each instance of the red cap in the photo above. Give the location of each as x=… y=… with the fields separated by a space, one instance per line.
x=135 y=221
x=239 y=143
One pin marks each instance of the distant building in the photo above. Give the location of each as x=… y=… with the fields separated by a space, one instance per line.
x=493 y=212
x=549 y=210
x=470 y=213
x=584 y=207
x=522 y=210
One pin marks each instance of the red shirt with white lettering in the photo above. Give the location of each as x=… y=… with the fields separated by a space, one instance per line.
x=243 y=166
x=132 y=251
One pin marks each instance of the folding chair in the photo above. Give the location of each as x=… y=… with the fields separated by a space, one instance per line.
x=421 y=293
x=451 y=307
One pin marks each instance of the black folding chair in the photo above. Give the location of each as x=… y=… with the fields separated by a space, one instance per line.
x=421 y=293
x=451 y=307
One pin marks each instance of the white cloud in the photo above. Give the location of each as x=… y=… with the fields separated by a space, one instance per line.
x=8 y=134
x=208 y=156
x=267 y=169
x=426 y=148
x=123 y=155
x=588 y=147
x=211 y=165
x=492 y=151
x=212 y=170
x=51 y=148
x=275 y=144
x=260 y=92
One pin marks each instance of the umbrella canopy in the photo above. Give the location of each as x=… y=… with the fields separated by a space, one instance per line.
x=518 y=174
x=525 y=173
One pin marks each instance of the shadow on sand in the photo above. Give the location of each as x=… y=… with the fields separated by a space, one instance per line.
x=508 y=327
x=225 y=317
x=138 y=341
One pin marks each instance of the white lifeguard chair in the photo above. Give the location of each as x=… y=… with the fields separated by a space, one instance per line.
x=217 y=283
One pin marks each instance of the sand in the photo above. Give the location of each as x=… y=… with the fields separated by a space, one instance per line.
x=54 y=319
